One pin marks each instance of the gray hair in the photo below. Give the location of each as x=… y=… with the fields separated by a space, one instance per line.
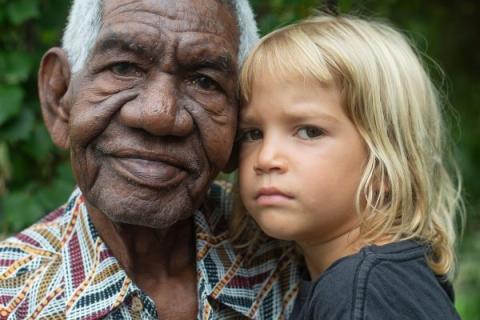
x=85 y=21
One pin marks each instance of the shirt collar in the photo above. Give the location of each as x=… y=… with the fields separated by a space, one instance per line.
x=241 y=279
x=95 y=283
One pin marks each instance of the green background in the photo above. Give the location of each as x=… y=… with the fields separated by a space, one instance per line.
x=35 y=177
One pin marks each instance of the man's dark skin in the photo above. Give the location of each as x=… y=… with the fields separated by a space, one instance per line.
x=149 y=122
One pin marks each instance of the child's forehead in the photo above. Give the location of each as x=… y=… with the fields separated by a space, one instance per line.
x=293 y=81
x=287 y=70
x=280 y=81
x=289 y=65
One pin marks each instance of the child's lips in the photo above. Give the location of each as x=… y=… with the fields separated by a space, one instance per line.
x=268 y=196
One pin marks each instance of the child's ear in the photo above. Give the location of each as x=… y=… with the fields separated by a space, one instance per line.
x=232 y=163
x=53 y=83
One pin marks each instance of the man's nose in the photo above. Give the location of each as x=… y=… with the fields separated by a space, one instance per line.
x=157 y=109
x=270 y=158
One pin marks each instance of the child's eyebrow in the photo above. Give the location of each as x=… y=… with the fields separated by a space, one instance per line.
x=295 y=114
x=246 y=121
x=303 y=115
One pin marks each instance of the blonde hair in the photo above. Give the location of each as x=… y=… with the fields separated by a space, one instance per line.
x=410 y=188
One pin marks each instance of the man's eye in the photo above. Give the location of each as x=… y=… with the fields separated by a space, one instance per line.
x=125 y=69
x=205 y=83
x=309 y=132
x=250 y=135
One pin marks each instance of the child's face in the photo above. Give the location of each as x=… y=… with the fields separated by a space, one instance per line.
x=301 y=160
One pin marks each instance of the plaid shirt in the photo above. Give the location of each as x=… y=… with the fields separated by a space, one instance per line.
x=60 y=268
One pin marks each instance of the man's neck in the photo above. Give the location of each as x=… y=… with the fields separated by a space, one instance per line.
x=160 y=262
x=146 y=251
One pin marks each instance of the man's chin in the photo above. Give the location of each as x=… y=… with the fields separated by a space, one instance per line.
x=158 y=214
x=158 y=211
x=123 y=201
x=162 y=219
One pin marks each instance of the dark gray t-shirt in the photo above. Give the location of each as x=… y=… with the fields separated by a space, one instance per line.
x=379 y=282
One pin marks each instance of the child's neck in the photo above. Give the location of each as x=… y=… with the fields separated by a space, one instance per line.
x=319 y=256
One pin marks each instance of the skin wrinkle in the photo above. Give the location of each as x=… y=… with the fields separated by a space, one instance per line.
x=161 y=145
x=78 y=39
x=122 y=5
x=181 y=19
x=170 y=17
x=110 y=105
x=121 y=42
x=116 y=41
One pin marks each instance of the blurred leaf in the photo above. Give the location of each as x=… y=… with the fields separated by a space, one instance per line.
x=40 y=145
x=10 y=102
x=64 y=172
x=17 y=67
x=5 y=167
x=55 y=194
x=20 y=209
x=19 y=128
x=345 y=5
x=21 y=10
x=49 y=36
x=22 y=170
x=4 y=160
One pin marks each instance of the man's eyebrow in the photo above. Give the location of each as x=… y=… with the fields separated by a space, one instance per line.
x=223 y=63
x=122 y=42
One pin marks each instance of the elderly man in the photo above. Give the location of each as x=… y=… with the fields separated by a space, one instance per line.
x=143 y=94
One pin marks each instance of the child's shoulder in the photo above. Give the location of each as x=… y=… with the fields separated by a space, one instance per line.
x=382 y=282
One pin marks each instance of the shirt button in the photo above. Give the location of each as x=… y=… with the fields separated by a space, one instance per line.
x=137 y=304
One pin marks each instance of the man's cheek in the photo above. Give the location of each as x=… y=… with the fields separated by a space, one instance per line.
x=218 y=145
x=89 y=119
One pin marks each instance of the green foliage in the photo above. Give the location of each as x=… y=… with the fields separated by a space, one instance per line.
x=35 y=176
x=11 y=101
x=21 y=10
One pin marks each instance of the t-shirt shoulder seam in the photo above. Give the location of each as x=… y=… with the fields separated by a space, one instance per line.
x=366 y=266
x=403 y=255
x=362 y=273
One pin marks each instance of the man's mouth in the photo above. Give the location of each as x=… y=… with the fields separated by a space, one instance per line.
x=148 y=169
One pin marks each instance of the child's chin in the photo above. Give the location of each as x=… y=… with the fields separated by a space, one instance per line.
x=280 y=233
x=278 y=225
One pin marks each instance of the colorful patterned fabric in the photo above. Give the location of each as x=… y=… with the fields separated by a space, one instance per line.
x=60 y=268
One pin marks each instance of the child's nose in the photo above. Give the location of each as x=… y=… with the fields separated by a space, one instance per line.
x=270 y=158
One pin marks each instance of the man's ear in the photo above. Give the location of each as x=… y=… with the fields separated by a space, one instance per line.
x=53 y=82
x=232 y=163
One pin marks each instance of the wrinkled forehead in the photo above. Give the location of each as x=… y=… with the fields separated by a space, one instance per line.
x=212 y=16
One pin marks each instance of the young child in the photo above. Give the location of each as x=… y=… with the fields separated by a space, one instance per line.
x=342 y=150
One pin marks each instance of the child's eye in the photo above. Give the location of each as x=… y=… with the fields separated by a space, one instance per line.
x=309 y=132
x=250 y=135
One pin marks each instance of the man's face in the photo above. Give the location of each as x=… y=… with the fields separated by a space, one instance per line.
x=153 y=113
